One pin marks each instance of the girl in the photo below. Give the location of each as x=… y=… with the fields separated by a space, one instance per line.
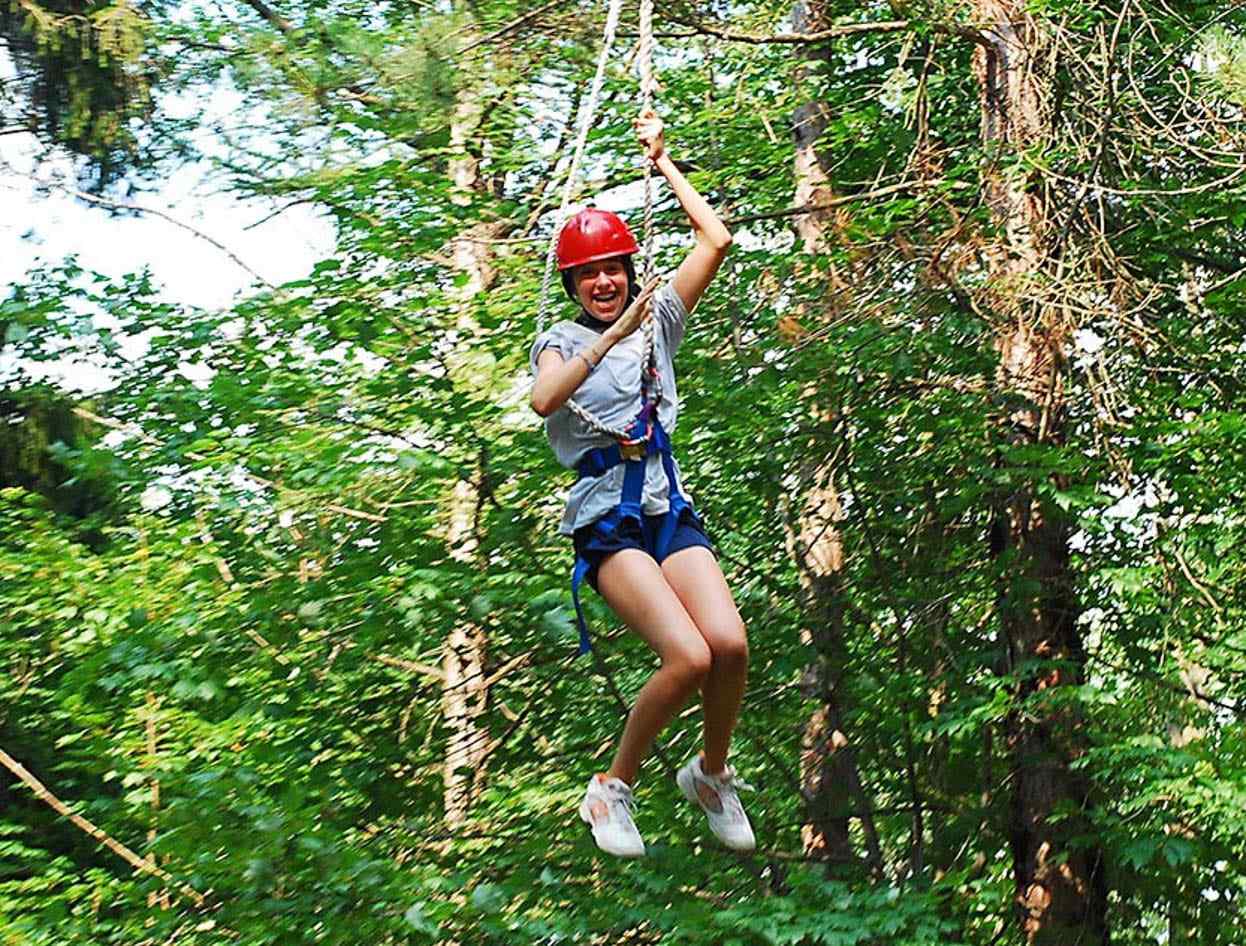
x=638 y=540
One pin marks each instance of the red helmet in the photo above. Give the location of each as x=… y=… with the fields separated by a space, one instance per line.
x=593 y=235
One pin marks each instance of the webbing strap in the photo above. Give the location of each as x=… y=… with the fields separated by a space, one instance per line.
x=577 y=576
x=633 y=489
x=596 y=463
x=677 y=505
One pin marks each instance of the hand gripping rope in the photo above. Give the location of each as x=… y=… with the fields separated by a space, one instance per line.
x=645 y=437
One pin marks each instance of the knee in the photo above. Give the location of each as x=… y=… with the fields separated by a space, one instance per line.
x=729 y=646
x=691 y=663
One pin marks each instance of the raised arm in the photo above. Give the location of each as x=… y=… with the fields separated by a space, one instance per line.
x=713 y=237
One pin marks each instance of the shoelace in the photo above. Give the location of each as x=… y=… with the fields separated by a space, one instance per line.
x=625 y=799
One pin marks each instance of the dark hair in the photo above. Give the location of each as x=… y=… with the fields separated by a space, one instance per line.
x=633 y=290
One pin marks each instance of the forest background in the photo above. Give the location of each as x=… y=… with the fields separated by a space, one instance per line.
x=284 y=625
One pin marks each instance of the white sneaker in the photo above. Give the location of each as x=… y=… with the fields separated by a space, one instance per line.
x=607 y=809
x=716 y=794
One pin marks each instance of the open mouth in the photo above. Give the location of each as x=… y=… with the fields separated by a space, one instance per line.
x=605 y=301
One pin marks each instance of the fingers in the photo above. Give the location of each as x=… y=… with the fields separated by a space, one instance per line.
x=640 y=309
x=642 y=298
x=649 y=288
x=648 y=128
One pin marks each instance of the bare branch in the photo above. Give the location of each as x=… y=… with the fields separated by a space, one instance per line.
x=99 y=834
x=119 y=205
x=517 y=22
x=821 y=36
x=828 y=204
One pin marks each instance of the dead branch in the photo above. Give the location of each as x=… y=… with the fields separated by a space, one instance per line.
x=135 y=208
x=42 y=793
x=821 y=36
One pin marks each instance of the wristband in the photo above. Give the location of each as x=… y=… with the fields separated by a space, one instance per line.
x=591 y=366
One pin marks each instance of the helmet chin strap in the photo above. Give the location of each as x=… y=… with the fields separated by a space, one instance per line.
x=592 y=323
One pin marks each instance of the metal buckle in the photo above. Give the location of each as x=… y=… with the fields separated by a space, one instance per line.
x=632 y=450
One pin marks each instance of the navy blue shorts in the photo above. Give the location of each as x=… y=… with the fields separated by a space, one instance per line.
x=590 y=545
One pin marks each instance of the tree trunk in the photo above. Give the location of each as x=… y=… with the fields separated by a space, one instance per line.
x=1060 y=888
x=813 y=184
x=465 y=696
x=830 y=781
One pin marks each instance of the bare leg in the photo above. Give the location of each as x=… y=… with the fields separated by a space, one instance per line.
x=696 y=579
x=634 y=587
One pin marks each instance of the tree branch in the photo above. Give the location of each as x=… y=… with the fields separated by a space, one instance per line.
x=827 y=204
x=99 y=834
x=502 y=31
x=119 y=205
x=271 y=15
x=821 y=36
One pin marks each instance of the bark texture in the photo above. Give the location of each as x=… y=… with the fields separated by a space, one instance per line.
x=465 y=694
x=830 y=781
x=830 y=778
x=1060 y=890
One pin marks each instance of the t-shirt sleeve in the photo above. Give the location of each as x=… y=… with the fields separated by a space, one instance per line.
x=671 y=315
x=550 y=338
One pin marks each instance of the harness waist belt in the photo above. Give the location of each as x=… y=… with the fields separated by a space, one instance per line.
x=602 y=459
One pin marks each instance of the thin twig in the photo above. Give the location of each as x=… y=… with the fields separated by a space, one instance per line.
x=821 y=36
x=502 y=31
x=135 y=208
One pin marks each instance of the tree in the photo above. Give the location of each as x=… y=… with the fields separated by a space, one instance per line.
x=829 y=774
x=84 y=78
x=1059 y=872
x=1019 y=318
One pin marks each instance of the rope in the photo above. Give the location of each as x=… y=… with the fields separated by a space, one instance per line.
x=590 y=108
x=647 y=86
x=649 y=371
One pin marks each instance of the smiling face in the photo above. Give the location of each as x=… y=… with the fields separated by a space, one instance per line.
x=601 y=288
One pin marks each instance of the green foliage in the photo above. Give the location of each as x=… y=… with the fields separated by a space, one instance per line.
x=84 y=74
x=224 y=655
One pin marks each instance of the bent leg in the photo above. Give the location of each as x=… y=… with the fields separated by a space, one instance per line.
x=634 y=587
x=698 y=582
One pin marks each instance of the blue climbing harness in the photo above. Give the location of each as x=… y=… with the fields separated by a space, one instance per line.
x=646 y=436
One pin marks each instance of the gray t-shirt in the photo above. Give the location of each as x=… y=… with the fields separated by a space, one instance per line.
x=611 y=393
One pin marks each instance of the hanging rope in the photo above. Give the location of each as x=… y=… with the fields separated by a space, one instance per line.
x=647 y=87
x=589 y=110
x=649 y=370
